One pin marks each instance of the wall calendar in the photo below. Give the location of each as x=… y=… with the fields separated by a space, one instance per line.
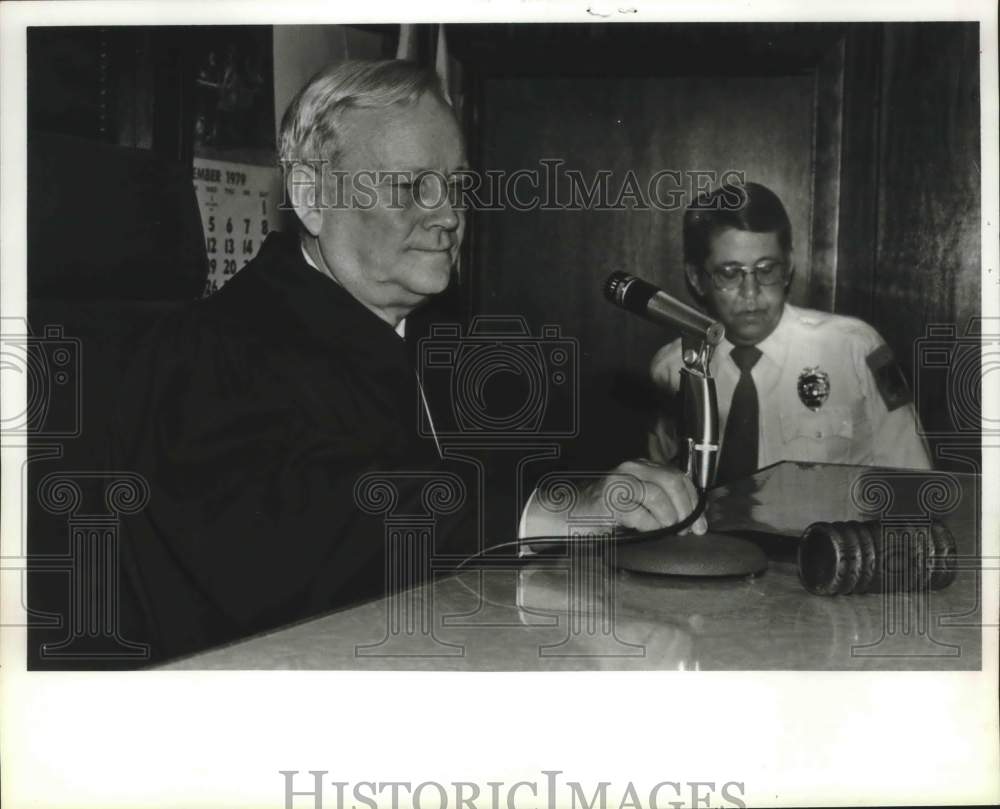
x=238 y=204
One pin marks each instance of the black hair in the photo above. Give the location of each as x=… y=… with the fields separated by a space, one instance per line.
x=751 y=207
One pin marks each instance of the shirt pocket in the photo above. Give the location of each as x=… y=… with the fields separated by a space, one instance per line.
x=824 y=435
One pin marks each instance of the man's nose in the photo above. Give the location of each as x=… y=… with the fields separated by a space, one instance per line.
x=444 y=216
x=441 y=211
x=749 y=285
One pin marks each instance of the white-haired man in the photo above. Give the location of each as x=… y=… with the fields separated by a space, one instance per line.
x=273 y=397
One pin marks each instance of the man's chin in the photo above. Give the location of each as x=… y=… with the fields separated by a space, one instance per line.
x=749 y=333
x=430 y=282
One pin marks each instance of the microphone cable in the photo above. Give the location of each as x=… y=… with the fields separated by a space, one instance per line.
x=618 y=537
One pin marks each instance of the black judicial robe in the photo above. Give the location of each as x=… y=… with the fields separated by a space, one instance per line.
x=253 y=414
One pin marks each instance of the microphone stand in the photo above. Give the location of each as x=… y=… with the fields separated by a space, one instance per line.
x=709 y=554
x=700 y=415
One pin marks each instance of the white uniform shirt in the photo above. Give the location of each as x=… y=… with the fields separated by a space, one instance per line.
x=853 y=425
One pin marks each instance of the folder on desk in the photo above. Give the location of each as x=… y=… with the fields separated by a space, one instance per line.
x=784 y=499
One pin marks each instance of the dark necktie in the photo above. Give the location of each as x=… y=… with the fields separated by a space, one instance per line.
x=739 y=444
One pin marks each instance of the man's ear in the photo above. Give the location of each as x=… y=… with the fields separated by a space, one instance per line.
x=791 y=277
x=694 y=279
x=304 y=187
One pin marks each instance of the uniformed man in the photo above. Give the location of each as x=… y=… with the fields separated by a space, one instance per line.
x=792 y=383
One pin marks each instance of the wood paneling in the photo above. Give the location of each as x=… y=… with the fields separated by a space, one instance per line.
x=910 y=203
x=858 y=215
x=827 y=160
x=928 y=255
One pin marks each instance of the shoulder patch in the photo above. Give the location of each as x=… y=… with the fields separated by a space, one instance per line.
x=889 y=378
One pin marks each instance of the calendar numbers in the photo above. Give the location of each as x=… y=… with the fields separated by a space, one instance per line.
x=235 y=201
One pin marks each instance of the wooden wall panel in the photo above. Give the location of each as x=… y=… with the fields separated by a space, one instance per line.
x=858 y=192
x=928 y=262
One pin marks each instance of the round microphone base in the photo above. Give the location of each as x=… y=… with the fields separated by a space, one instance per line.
x=692 y=555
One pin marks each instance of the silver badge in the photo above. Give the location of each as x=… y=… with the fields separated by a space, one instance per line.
x=814 y=387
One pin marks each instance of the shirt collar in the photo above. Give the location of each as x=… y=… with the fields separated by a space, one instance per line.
x=400 y=327
x=775 y=345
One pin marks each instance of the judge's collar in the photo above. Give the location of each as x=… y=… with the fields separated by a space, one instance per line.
x=400 y=327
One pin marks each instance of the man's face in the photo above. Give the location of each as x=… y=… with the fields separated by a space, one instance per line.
x=395 y=246
x=750 y=311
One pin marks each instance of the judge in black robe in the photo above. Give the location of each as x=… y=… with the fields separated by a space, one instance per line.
x=261 y=408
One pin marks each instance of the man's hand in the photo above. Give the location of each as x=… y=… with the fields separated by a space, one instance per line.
x=643 y=495
x=636 y=494
x=661 y=445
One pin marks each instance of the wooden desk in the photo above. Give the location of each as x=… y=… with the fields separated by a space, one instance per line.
x=581 y=614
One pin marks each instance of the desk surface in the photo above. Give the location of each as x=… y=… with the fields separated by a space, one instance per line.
x=577 y=613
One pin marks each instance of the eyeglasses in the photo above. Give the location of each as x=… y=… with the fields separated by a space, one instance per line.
x=767 y=273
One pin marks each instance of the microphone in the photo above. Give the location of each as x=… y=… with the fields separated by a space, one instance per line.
x=654 y=304
x=700 y=428
x=699 y=407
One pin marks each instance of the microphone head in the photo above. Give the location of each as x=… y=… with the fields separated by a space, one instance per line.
x=647 y=301
x=614 y=287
